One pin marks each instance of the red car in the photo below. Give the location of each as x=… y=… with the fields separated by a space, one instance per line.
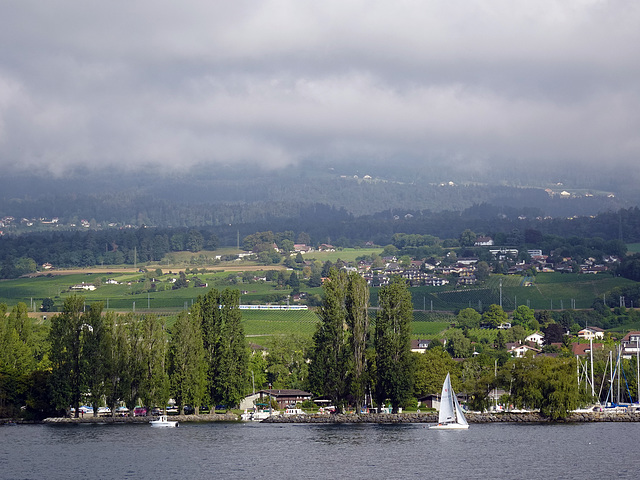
x=140 y=412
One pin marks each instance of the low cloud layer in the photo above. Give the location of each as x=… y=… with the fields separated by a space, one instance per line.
x=276 y=83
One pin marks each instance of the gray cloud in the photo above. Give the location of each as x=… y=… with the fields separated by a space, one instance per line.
x=276 y=83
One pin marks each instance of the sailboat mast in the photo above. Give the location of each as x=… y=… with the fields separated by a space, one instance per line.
x=593 y=392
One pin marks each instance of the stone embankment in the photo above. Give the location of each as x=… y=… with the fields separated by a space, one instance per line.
x=373 y=418
x=471 y=418
x=217 y=417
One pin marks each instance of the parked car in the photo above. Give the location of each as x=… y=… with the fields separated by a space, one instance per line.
x=189 y=410
x=139 y=411
x=156 y=411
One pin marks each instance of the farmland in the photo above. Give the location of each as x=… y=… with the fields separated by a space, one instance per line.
x=128 y=289
x=546 y=291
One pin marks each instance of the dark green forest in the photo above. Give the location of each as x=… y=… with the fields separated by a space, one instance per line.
x=603 y=234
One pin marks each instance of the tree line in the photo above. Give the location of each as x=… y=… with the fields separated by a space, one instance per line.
x=417 y=233
x=98 y=358
x=358 y=356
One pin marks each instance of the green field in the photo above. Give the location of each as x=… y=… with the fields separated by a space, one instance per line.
x=433 y=305
x=548 y=291
x=261 y=323
x=207 y=257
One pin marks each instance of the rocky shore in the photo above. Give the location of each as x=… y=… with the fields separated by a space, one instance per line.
x=613 y=416
x=471 y=418
x=216 y=417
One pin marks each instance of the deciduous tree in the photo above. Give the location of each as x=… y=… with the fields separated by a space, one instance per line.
x=393 y=347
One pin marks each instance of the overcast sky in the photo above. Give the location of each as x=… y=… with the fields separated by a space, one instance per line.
x=275 y=83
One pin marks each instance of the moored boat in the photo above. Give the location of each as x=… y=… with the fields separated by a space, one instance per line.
x=162 y=421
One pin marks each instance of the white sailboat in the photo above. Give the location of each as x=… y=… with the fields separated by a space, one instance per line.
x=451 y=416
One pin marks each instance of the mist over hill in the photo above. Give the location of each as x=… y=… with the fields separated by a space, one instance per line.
x=219 y=196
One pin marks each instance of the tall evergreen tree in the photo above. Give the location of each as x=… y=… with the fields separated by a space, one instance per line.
x=393 y=347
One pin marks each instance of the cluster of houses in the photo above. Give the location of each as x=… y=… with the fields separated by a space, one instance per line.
x=630 y=344
x=10 y=222
x=433 y=272
x=418 y=272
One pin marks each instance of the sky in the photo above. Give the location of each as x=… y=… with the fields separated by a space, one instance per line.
x=172 y=85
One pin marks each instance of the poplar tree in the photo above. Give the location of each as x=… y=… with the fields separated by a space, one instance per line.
x=67 y=362
x=226 y=351
x=154 y=382
x=329 y=356
x=357 y=306
x=187 y=362
x=116 y=359
x=95 y=345
x=393 y=346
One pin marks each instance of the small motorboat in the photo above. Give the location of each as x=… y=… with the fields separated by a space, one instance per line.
x=163 y=422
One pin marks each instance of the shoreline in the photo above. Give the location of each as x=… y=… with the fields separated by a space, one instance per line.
x=472 y=418
x=373 y=418
x=216 y=417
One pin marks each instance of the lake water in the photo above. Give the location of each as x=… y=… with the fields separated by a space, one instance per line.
x=253 y=451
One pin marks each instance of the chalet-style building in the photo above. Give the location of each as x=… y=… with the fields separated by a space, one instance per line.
x=591 y=333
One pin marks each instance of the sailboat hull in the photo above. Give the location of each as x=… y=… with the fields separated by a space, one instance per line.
x=449 y=426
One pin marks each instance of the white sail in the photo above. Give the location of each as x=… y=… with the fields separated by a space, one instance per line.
x=459 y=414
x=450 y=415
x=447 y=408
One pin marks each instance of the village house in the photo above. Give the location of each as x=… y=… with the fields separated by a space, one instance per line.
x=302 y=248
x=536 y=337
x=420 y=346
x=520 y=350
x=631 y=344
x=591 y=333
x=584 y=349
x=483 y=242
x=283 y=397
